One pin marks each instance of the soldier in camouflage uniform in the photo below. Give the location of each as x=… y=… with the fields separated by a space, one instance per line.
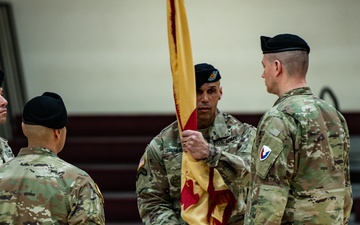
x=300 y=158
x=37 y=187
x=221 y=140
x=5 y=151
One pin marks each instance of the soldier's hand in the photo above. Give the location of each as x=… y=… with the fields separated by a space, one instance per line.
x=194 y=143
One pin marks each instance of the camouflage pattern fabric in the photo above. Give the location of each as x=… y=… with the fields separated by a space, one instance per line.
x=300 y=164
x=158 y=180
x=37 y=187
x=6 y=153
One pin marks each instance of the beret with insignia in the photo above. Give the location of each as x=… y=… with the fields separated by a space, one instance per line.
x=206 y=73
x=47 y=110
x=282 y=43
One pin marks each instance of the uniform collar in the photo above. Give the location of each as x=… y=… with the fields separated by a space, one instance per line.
x=294 y=92
x=218 y=129
x=36 y=151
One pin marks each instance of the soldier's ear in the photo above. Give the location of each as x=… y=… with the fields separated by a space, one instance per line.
x=57 y=133
x=277 y=67
x=23 y=128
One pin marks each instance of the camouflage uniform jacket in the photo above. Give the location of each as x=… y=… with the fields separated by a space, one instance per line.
x=159 y=174
x=37 y=187
x=6 y=153
x=300 y=164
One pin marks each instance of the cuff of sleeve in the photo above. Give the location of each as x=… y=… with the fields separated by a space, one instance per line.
x=214 y=156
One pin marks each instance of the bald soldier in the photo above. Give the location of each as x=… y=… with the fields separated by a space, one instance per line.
x=37 y=187
x=300 y=158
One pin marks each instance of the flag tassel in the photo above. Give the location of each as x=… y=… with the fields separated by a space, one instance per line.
x=218 y=198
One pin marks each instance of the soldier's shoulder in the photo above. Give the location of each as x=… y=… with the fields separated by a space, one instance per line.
x=232 y=121
x=172 y=127
x=71 y=171
x=169 y=133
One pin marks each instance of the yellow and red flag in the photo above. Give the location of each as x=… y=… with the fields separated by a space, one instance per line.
x=205 y=198
x=182 y=66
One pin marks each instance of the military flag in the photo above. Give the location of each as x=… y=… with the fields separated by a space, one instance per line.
x=182 y=66
x=205 y=198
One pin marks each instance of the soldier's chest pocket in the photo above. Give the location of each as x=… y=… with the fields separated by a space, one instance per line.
x=269 y=150
x=173 y=172
x=172 y=161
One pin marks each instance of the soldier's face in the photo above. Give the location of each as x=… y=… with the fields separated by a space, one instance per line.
x=3 y=104
x=268 y=75
x=208 y=96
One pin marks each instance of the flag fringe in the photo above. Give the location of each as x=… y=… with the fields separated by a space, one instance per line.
x=218 y=198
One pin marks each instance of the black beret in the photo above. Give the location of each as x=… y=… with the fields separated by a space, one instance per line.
x=2 y=75
x=205 y=73
x=47 y=110
x=282 y=43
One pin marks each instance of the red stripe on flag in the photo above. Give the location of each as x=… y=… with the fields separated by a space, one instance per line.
x=192 y=122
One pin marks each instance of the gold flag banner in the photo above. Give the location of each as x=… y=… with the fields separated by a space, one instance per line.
x=182 y=66
x=205 y=198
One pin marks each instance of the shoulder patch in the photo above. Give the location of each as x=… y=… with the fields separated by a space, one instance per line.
x=99 y=193
x=142 y=162
x=264 y=152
